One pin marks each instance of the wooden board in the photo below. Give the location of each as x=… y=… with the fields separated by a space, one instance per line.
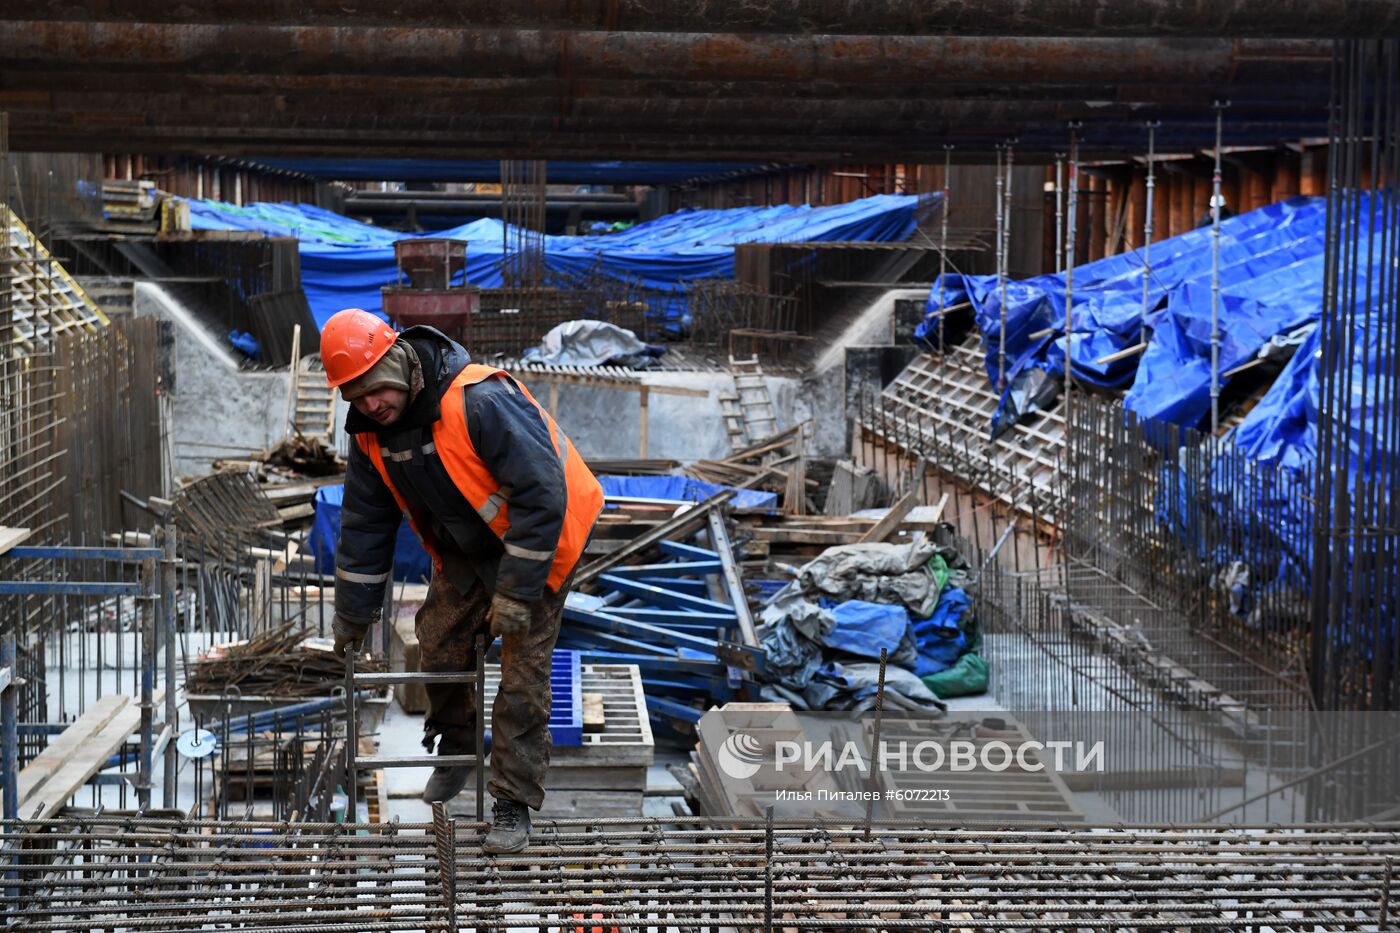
x=10 y=537
x=593 y=717
x=75 y=755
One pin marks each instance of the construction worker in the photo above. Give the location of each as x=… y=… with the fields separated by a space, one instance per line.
x=502 y=502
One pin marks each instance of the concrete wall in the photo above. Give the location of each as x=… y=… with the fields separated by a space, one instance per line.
x=220 y=411
x=606 y=422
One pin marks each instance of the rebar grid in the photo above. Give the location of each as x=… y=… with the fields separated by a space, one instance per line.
x=146 y=873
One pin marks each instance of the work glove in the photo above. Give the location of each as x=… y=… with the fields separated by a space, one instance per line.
x=348 y=635
x=509 y=616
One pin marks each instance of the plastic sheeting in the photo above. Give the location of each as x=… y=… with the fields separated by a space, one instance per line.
x=684 y=489
x=852 y=602
x=344 y=263
x=586 y=343
x=1271 y=283
x=411 y=562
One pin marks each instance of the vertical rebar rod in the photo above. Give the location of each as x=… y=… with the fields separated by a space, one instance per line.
x=146 y=614
x=874 y=778
x=352 y=740
x=172 y=708
x=445 y=847
x=1151 y=184
x=1215 y=196
x=1065 y=501
x=1385 y=893
x=481 y=728
x=768 y=870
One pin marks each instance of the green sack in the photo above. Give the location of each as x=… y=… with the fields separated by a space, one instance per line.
x=968 y=677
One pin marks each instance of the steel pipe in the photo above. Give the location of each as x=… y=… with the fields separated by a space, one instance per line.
x=39 y=88
x=217 y=49
x=684 y=110
x=1242 y=18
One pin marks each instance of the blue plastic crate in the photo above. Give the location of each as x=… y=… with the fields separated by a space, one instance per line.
x=566 y=687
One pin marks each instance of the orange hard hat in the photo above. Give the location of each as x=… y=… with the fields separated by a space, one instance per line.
x=352 y=342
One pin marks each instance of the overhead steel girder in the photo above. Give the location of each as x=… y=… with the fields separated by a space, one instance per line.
x=651 y=112
x=215 y=49
x=1110 y=141
x=541 y=136
x=825 y=136
x=1242 y=18
x=1310 y=84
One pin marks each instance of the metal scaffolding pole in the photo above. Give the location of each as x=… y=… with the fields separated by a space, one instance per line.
x=1065 y=507
x=1147 y=216
x=1001 y=275
x=1059 y=212
x=1215 y=274
x=1004 y=255
x=943 y=271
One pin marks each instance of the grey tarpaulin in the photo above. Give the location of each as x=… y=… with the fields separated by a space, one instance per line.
x=878 y=573
x=586 y=343
x=810 y=667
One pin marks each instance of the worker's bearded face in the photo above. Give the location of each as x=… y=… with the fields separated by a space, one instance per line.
x=384 y=406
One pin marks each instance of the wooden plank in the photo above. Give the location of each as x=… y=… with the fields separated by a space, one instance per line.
x=887 y=525
x=67 y=743
x=805 y=536
x=78 y=761
x=12 y=537
x=594 y=719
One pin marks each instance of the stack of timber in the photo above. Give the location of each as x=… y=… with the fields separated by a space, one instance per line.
x=131 y=206
x=777 y=463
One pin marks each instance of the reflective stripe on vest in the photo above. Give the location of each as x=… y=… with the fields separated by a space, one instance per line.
x=453 y=446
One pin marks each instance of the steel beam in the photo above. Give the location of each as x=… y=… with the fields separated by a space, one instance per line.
x=1039 y=147
x=274 y=50
x=1242 y=18
x=39 y=87
x=641 y=110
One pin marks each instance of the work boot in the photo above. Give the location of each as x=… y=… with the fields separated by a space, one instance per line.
x=510 y=828
x=446 y=783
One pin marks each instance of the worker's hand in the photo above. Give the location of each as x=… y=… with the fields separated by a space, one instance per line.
x=509 y=616
x=348 y=636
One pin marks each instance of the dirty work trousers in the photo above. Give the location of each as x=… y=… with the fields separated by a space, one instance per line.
x=447 y=626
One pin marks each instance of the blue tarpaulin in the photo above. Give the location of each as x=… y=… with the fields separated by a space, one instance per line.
x=411 y=562
x=863 y=628
x=1270 y=283
x=344 y=263
x=683 y=489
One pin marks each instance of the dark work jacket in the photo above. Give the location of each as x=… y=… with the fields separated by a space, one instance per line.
x=513 y=442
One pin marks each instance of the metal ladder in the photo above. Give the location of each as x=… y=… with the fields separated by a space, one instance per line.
x=355 y=762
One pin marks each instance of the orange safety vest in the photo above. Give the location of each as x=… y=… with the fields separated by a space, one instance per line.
x=453 y=446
